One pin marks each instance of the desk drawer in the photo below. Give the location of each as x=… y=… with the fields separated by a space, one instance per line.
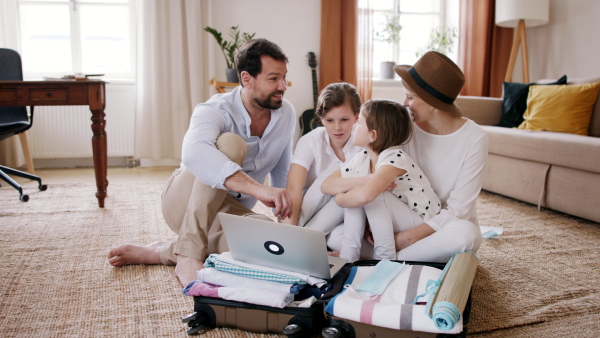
x=8 y=94
x=45 y=95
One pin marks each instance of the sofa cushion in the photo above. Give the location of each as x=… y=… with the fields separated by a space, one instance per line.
x=564 y=109
x=514 y=101
x=567 y=150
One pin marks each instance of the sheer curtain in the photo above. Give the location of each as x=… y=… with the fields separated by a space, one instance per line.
x=172 y=75
x=484 y=48
x=10 y=148
x=364 y=56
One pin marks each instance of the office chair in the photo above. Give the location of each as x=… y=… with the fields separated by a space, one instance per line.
x=14 y=120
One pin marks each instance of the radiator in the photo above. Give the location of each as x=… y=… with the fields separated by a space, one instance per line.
x=65 y=131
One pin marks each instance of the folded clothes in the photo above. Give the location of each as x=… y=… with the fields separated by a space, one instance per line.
x=395 y=307
x=224 y=262
x=216 y=277
x=247 y=295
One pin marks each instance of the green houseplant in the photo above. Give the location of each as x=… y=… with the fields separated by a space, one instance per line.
x=229 y=48
x=441 y=39
x=389 y=33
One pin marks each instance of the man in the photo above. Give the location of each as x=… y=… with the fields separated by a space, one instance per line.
x=233 y=142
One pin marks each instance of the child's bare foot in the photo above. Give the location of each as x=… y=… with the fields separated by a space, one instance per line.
x=335 y=253
x=127 y=254
x=187 y=269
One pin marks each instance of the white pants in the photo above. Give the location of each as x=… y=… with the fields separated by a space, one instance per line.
x=456 y=236
x=382 y=227
x=319 y=211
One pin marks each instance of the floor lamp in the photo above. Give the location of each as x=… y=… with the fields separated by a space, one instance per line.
x=521 y=14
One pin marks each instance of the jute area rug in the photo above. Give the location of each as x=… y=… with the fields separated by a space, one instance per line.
x=539 y=278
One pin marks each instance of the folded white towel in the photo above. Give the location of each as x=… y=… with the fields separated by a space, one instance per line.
x=247 y=295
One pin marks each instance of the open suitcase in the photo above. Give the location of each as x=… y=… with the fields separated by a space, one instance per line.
x=294 y=322
x=344 y=328
x=212 y=312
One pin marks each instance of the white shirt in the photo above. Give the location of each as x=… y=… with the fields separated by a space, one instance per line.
x=269 y=154
x=313 y=152
x=454 y=166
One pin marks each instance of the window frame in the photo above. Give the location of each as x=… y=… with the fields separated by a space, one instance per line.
x=396 y=48
x=75 y=37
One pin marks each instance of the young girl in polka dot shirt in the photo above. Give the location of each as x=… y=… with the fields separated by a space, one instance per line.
x=369 y=184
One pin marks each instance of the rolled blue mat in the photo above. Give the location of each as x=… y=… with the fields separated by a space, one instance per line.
x=445 y=315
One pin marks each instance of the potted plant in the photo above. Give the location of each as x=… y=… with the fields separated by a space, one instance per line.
x=389 y=33
x=441 y=39
x=229 y=48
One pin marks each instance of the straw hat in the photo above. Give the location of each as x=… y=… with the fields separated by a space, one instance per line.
x=436 y=79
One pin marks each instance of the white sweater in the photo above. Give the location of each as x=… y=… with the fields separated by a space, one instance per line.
x=454 y=165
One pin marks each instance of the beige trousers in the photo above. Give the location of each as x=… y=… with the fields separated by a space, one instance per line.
x=190 y=208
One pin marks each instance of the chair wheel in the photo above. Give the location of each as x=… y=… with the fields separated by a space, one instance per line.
x=24 y=198
x=43 y=187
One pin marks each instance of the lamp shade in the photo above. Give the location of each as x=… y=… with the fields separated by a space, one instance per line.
x=534 y=12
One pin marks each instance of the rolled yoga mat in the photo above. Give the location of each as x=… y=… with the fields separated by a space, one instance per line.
x=449 y=301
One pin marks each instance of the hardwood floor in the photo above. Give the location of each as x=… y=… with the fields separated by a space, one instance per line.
x=115 y=174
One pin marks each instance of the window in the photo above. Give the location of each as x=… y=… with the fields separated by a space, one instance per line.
x=418 y=18
x=60 y=37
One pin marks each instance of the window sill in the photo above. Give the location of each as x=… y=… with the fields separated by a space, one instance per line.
x=395 y=82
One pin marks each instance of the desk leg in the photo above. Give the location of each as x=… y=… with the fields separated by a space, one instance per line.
x=99 y=149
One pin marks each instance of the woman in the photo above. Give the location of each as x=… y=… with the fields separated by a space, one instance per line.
x=451 y=150
x=321 y=152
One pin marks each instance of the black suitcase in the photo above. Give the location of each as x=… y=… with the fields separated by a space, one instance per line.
x=294 y=322
x=344 y=328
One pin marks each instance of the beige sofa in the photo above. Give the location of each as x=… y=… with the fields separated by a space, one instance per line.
x=554 y=170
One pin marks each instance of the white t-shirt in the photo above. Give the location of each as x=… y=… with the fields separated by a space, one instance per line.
x=412 y=188
x=314 y=153
x=454 y=166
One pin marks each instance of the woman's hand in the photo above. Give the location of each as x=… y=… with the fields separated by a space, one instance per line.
x=406 y=238
x=402 y=240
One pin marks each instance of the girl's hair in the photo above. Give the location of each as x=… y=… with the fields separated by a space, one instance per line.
x=335 y=95
x=390 y=120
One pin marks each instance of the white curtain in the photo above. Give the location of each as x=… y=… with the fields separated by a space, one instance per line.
x=10 y=148
x=172 y=75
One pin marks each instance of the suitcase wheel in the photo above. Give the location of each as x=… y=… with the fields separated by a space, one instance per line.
x=298 y=330
x=331 y=332
x=196 y=322
x=338 y=329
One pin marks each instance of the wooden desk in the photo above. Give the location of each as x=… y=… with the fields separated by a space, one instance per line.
x=67 y=93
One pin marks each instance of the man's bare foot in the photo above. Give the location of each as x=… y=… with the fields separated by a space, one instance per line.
x=127 y=254
x=187 y=269
x=335 y=253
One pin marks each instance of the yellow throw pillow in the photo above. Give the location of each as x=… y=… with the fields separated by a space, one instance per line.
x=561 y=108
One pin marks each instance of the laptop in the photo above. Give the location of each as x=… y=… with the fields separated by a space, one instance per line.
x=279 y=246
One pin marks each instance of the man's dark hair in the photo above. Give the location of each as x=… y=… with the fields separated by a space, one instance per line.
x=248 y=56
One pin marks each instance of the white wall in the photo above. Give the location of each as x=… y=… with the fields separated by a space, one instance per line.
x=294 y=25
x=568 y=44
